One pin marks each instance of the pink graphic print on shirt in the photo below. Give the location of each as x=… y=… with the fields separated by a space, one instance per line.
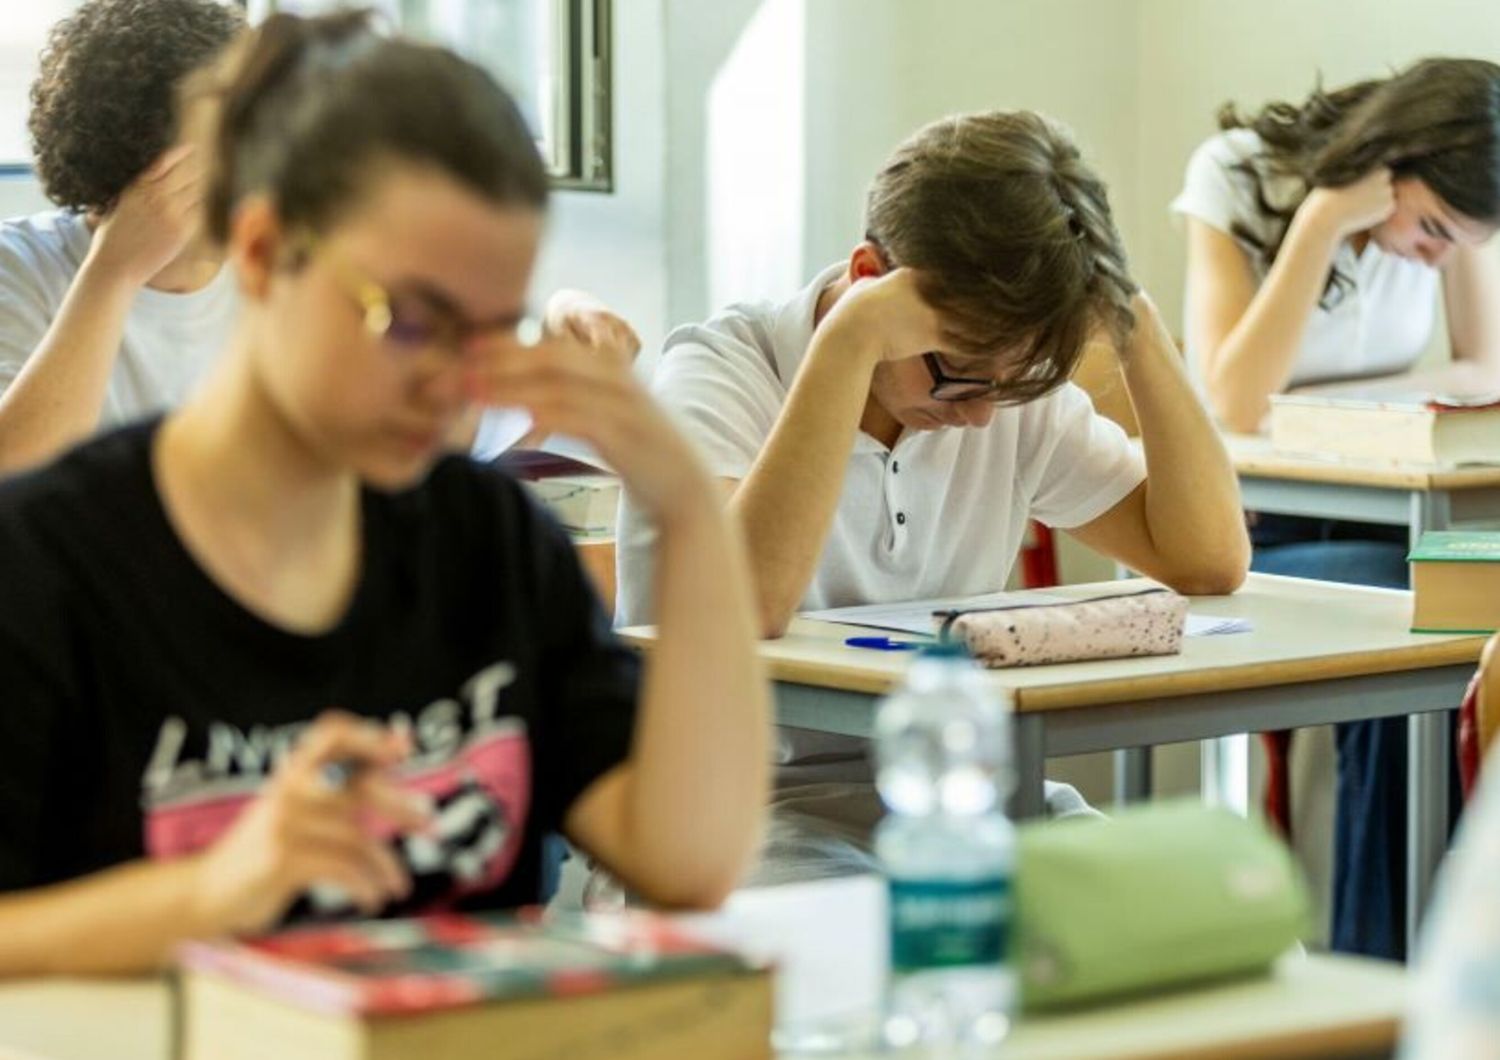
x=479 y=782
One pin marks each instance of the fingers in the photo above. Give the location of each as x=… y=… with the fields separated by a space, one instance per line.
x=320 y=866
x=336 y=833
x=402 y=810
x=340 y=737
x=507 y=373
x=327 y=848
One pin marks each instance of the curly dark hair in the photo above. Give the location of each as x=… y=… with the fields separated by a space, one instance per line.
x=103 y=107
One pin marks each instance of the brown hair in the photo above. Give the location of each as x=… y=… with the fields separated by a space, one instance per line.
x=102 y=104
x=1011 y=235
x=1438 y=120
x=305 y=109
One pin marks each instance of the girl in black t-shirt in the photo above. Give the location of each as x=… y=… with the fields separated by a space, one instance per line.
x=187 y=600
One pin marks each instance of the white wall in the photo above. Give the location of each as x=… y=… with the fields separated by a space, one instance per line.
x=884 y=67
x=20 y=196
x=1195 y=54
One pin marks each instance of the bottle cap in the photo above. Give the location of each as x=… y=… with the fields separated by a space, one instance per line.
x=944 y=649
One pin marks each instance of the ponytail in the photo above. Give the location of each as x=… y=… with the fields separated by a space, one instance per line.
x=300 y=109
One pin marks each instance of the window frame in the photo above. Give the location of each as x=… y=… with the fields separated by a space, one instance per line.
x=580 y=156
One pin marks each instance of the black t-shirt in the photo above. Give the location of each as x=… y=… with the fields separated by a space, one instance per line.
x=141 y=706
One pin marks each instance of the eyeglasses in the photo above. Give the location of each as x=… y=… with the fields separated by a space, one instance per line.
x=947 y=387
x=408 y=322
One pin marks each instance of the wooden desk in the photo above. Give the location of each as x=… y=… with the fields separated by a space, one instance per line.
x=828 y=940
x=1417 y=496
x=1420 y=497
x=1320 y=654
x=597 y=555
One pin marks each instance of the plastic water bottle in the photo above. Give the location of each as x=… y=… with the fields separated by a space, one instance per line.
x=944 y=769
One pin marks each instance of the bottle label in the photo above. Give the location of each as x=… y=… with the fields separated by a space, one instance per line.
x=949 y=923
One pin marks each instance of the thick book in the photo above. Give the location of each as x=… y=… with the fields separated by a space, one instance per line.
x=1389 y=426
x=1455 y=581
x=628 y=985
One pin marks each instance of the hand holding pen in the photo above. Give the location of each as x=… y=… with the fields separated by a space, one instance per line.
x=310 y=826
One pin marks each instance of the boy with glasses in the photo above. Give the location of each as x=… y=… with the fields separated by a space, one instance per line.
x=888 y=433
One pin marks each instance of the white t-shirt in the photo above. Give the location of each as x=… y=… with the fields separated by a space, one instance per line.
x=1379 y=326
x=169 y=339
x=942 y=514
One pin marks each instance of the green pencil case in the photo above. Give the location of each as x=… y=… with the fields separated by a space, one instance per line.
x=1169 y=895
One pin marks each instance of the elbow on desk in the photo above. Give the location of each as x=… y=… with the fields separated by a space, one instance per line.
x=773 y=619
x=701 y=893
x=1235 y=411
x=1211 y=575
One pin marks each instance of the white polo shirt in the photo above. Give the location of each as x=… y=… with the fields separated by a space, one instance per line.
x=941 y=514
x=1379 y=326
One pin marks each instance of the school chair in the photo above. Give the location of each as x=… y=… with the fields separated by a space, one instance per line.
x=1479 y=716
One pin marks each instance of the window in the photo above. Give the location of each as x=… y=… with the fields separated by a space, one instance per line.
x=23 y=31
x=553 y=55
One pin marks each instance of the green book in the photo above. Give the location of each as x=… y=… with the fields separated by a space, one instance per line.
x=1453 y=591
x=1457 y=546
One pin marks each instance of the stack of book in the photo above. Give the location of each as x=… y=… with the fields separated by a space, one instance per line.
x=1379 y=424
x=583 y=498
x=628 y=986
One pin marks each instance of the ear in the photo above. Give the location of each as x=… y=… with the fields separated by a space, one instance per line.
x=866 y=262
x=257 y=245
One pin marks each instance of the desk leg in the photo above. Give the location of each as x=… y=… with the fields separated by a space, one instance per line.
x=1429 y=511
x=1428 y=753
x=1225 y=767
x=1028 y=799
x=1429 y=757
x=1132 y=775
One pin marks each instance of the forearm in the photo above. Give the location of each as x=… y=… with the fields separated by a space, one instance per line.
x=1257 y=357
x=1192 y=497
x=120 y=921
x=57 y=399
x=786 y=504
x=698 y=772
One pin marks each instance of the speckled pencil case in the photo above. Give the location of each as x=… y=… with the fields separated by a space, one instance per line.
x=1149 y=622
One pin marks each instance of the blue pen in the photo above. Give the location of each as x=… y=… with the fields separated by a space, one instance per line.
x=881 y=644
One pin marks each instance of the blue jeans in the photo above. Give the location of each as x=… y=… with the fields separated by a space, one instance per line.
x=1369 y=833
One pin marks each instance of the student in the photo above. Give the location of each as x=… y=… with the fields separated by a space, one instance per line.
x=1320 y=236
x=110 y=306
x=185 y=599
x=887 y=433
x=113 y=305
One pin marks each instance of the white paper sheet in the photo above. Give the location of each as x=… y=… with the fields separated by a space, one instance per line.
x=917 y=616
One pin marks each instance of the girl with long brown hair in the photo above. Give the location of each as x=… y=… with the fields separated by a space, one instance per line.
x=1322 y=236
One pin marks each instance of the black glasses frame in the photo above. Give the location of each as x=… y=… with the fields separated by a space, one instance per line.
x=947 y=387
